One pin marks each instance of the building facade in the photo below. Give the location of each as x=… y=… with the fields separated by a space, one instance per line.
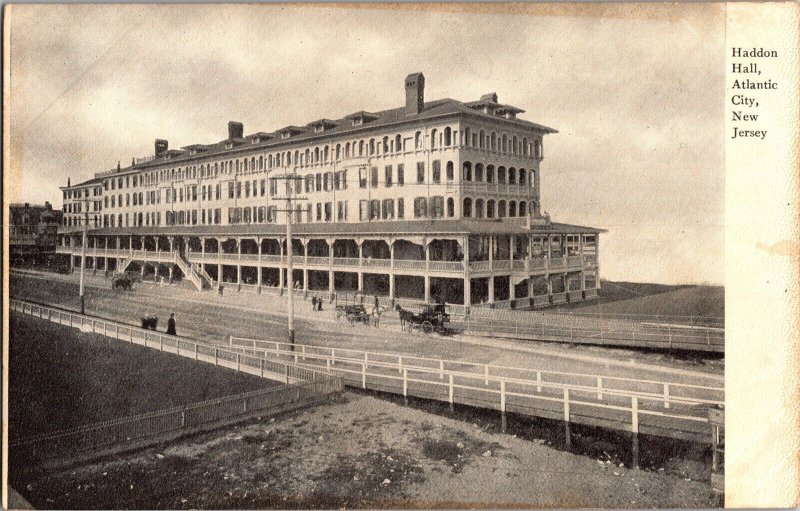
x=430 y=200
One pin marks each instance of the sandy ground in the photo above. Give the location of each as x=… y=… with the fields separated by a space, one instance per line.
x=362 y=452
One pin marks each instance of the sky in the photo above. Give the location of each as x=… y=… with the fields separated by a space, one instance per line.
x=636 y=93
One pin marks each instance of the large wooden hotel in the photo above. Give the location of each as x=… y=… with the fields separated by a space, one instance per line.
x=435 y=200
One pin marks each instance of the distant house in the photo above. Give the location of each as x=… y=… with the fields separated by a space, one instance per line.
x=33 y=233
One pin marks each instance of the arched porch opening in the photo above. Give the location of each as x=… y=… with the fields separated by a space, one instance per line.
x=318 y=248
x=249 y=275
x=479 y=290
x=249 y=246
x=408 y=251
x=270 y=246
x=318 y=280
x=409 y=287
x=445 y=250
x=375 y=249
x=448 y=290
x=345 y=282
x=270 y=277
x=376 y=284
x=345 y=248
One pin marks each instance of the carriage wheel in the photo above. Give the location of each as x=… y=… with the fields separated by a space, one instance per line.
x=427 y=327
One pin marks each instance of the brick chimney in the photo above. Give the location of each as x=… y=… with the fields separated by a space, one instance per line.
x=161 y=147
x=415 y=93
x=235 y=129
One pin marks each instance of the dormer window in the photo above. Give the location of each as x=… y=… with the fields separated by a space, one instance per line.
x=229 y=145
x=256 y=140
x=319 y=128
x=286 y=134
x=358 y=121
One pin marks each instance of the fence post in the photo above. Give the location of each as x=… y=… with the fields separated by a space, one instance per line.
x=244 y=405
x=635 y=414
x=160 y=341
x=503 y=406
x=400 y=364
x=363 y=376
x=286 y=371
x=708 y=337
x=600 y=388
x=116 y=330
x=230 y=340
x=441 y=369
x=333 y=356
x=303 y=350
x=261 y=366
x=216 y=356
x=450 y=393
x=183 y=418
x=405 y=385
x=486 y=374
x=538 y=381
x=195 y=351
x=566 y=404
x=328 y=364
x=238 y=363
x=666 y=395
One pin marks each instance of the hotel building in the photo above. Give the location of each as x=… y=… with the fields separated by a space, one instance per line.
x=431 y=200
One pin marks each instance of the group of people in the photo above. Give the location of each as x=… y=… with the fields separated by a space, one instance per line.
x=316 y=303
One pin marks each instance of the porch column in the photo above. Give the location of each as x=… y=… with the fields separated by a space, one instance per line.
x=360 y=266
x=549 y=280
x=467 y=280
x=427 y=246
x=512 y=295
x=239 y=264
x=171 y=269
x=331 y=242
x=391 y=287
x=491 y=289
x=202 y=254
x=155 y=271
x=258 y=265
x=583 y=280
x=219 y=262
x=331 y=290
x=280 y=269
x=491 y=253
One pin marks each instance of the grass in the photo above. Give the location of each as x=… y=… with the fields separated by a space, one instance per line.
x=655 y=299
x=61 y=378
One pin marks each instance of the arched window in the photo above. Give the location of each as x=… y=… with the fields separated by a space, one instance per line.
x=494 y=141
x=385 y=145
x=525 y=146
x=347 y=150
x=467 y=169
x=522 y=207
x=512 y=208
x=479 y=172
x=522 y=174
x=361 y=148
x=296 y=157
x=490 y=173
x=512 y=176
x=467 y=209
x=448 y=136
x=398 y=143
x=451 y=207
x=501 y=209
x=490 y=208
x=504 y=146
x=434 y=136
x=253 y=163
x=482 y=139
x=418 y=140
x=316 y=155
x=325 y=153
x=371 y=146
x=514 y=145
x=467 y=133
x=537 y=149
x=261 y=163
x=501 y=175
x=450 y=171
x=244 y=164
x=338 y=152
x=479 y=208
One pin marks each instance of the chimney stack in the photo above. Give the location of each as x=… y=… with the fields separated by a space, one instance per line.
x=161 y=147
x=235 y=129
x=415 y=93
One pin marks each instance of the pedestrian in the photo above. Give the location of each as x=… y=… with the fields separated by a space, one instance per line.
x=313 y=303
x=375 y=307
x=171 y=324
x=319 y=304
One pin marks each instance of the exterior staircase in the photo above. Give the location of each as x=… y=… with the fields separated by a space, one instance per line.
x=193 y=273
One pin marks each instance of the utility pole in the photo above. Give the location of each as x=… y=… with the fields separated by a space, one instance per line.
x=83 y=251
x=291 y=181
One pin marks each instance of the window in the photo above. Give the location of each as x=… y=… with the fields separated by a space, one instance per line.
x=388 y=176
x=362 y=177
x=263 y=190
x=341 y=211
x=451 y=207
x=230 y=190
x=467 y=209
x=450 y=171
x=388 y=208
x=238 y=190
x=420 y=207
x=247 y=189
x=326 y=178
x=420 y=172
x=374 y=209
x=436 y=207
x=363 y=206
x=400 y=175
x=318 y=181
x=328 y=211
x=400 y=208
x=437 y=171
x=319 y=212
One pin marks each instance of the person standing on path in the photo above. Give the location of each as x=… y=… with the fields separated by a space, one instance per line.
x=171 y=324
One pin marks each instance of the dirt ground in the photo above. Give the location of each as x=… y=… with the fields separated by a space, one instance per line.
x=360 y=452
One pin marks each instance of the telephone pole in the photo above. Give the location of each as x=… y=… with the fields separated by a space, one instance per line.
x=291 y=181
x=83 y=251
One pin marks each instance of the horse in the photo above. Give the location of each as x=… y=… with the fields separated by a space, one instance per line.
x=405 y=316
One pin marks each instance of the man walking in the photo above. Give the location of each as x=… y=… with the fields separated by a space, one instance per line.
x=171 y=324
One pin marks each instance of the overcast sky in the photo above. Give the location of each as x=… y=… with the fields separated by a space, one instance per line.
x=637 y=98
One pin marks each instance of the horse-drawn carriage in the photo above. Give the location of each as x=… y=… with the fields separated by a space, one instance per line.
x=122 y=281
x=357 y=313
x=433 y=317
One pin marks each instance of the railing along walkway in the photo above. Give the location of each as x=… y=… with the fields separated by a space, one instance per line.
x=668 y=409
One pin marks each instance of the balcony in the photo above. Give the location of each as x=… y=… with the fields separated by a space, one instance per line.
x=534 y=265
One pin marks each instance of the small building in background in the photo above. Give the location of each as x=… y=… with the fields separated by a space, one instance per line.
x=33 y=234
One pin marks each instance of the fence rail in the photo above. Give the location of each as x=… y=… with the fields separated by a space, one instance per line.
x=658 y=407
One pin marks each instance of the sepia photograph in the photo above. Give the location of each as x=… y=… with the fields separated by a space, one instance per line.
x=373 y=256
